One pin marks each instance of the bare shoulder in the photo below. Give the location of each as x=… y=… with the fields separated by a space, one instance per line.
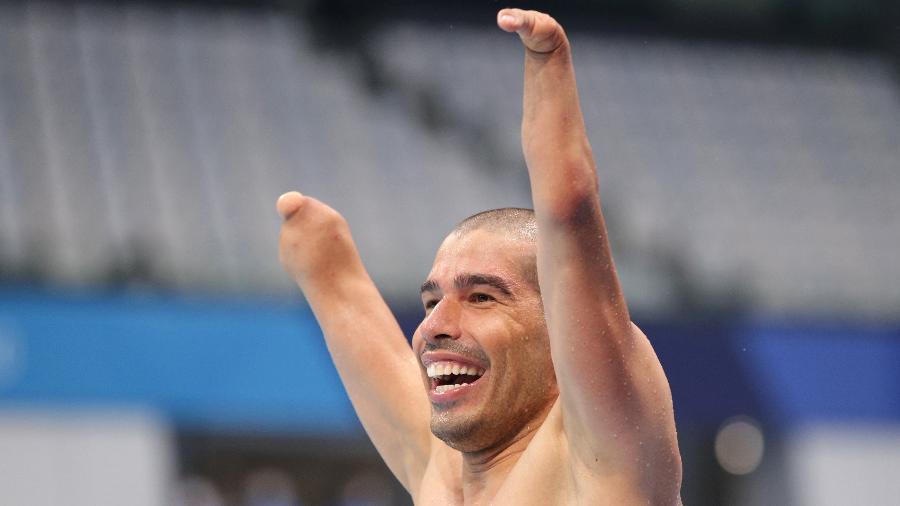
x=550 y=472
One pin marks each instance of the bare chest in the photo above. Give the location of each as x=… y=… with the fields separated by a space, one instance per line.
x=529 y=481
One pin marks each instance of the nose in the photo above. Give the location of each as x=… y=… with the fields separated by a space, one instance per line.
x=442 y=322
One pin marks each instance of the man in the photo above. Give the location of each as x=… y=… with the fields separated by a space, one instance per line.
x=538 y=389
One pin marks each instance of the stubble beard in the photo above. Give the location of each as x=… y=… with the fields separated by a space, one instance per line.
x=476 y=428
x=462 y=432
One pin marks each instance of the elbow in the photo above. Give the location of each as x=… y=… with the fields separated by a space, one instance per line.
x=575 y=201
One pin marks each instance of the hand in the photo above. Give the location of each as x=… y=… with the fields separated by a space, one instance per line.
x=539 y=32
x=315 y=241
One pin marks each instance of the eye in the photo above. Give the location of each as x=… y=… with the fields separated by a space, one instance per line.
x=480 y=298
x=430 y=303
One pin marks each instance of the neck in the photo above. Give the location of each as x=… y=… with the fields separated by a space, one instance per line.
x=484 y=470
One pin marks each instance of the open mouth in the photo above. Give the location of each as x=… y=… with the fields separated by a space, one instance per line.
x=447 y=376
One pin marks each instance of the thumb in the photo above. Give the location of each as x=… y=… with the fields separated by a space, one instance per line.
x=289 y=203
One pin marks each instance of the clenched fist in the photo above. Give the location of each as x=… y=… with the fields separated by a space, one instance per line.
x=315 y=243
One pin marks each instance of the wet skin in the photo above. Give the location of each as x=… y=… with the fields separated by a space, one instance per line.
x=592 y=423
x=482 y=308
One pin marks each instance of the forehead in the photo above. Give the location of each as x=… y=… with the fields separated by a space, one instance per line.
x=482 y=251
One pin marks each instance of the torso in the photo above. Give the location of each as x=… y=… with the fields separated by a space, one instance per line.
x=543 y=474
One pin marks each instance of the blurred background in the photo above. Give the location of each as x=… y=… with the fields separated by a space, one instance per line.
x=152 y=352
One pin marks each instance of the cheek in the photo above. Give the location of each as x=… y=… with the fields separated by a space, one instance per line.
x=492 y=332
x=535 y=348
x=418 y=342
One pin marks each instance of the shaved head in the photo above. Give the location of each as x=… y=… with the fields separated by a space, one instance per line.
x=513 y=222
x=483 y=304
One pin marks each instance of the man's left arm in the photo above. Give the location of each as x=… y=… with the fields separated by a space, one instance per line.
x=616 y=402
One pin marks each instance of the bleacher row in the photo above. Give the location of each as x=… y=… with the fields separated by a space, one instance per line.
x=771 y=171
x=134 y=136
x=157 y=140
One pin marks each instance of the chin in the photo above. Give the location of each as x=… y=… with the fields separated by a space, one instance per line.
x=464 y=434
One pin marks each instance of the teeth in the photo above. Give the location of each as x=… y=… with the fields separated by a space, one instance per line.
x=447 y=368
x=444 y=388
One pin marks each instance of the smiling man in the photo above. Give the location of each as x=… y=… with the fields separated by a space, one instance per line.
x=527 y=383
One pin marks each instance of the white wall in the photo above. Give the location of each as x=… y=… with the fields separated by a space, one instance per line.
x=841 y=465
x=52 y=458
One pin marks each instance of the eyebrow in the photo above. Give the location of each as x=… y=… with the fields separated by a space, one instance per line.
x=429 y=285
x=469 y=280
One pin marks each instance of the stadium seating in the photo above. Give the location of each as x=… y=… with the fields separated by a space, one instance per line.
x=154 y=142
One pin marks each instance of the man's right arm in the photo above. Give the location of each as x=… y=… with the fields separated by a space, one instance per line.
x=376 y=365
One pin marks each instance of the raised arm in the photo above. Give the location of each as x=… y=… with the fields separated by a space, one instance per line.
x=377 y=367
x=617 y=407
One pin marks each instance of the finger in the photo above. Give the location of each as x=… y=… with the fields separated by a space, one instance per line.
x=289 y=203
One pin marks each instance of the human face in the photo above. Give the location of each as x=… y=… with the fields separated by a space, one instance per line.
x=484 y=316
